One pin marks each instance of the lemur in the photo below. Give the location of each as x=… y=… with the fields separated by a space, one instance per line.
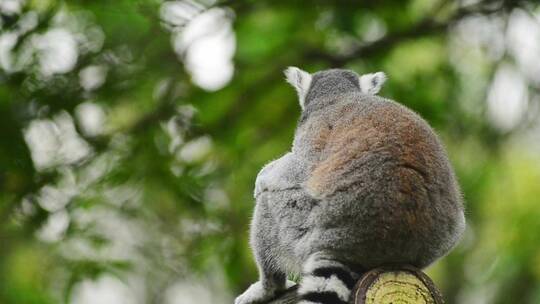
x=366 y=183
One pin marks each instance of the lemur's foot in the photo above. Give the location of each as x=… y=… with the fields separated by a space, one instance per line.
x=257 y=294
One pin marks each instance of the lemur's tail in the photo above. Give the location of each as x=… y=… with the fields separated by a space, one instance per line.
x=326 y=281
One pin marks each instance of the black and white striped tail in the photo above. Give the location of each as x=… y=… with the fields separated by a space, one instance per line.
x=326 y=281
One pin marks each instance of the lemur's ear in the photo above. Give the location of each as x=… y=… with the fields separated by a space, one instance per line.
x=300 y=80
x=372 y=83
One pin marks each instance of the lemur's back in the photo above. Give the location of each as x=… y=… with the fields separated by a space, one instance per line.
x=367 y=183
x=384 y=182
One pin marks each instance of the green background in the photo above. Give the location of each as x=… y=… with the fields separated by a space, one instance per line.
x=154 y=204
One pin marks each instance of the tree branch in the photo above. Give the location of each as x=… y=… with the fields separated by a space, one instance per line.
x=426 y=27
x=404 y=284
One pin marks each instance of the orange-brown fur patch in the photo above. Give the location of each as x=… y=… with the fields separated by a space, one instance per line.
x=383 y=129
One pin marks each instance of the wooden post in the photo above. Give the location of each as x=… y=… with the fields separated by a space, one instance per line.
x=385 y=285
x=406 y=285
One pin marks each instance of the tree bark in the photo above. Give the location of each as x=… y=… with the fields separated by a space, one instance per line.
x=385 y=285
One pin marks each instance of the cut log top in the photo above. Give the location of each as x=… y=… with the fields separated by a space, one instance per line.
x=403 y=285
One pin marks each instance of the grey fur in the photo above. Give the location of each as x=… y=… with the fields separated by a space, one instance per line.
x=367 y=183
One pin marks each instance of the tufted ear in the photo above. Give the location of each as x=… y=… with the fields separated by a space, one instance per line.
x=372 y=83
x=300 y=80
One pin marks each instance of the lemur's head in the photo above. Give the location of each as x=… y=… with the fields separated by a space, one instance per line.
x=331 y=82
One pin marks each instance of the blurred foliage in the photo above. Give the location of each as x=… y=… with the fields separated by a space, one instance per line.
x=120 y=163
